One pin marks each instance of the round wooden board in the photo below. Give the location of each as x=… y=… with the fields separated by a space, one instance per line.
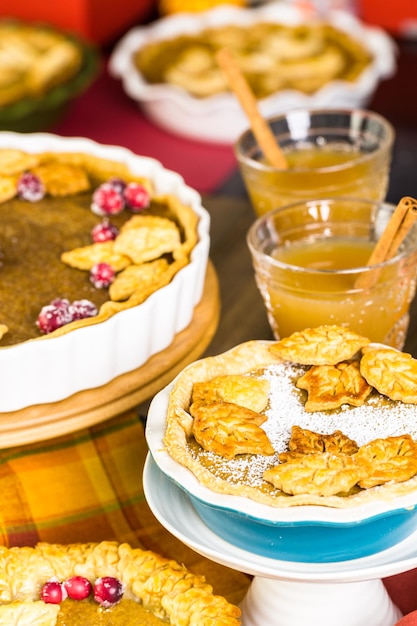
x=86 y=408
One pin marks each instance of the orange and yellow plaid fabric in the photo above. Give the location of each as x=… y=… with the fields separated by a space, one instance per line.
x=87 y=486
x=79 y=487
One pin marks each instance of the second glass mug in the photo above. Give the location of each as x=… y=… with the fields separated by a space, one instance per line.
x=308 y=257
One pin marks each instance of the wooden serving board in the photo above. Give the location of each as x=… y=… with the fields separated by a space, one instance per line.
x=86 y=408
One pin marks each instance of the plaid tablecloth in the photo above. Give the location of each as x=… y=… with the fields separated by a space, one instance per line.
x=87 y=486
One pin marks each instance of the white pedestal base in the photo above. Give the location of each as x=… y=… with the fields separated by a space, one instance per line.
x=286 y=603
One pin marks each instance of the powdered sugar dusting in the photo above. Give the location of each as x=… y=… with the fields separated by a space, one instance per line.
x=379 y=417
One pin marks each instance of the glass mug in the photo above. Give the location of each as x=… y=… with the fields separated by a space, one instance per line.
x=329 y=153
x=308 y=257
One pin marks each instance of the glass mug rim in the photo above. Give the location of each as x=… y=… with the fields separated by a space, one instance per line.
x=244 y=159
x=297 y=269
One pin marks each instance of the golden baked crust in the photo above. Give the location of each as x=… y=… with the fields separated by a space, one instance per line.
x=34 y=59
x=311 y=443
x=245 y=391
x=35 y=613
x=392 y=372
x=392 y=459
x=321 y=474
x=14 y=161
x=62 y=179
x=229 y=430
x=304 y=441
x=331 y=386
x=324 y=345
x=86 y=257
x=164 y=587
x=272 y=56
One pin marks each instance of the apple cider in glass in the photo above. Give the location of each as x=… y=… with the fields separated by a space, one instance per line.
x=329 y=153
x=308 y=257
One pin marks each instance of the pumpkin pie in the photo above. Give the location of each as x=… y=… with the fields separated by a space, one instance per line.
x=149 y=589
x=47 y=249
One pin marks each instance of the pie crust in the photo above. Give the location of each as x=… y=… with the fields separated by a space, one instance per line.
x=273 y=57
x=168 y=590
x=378 y=418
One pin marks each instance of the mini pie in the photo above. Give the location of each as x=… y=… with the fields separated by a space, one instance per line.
x=165 y=589
x=324 y=442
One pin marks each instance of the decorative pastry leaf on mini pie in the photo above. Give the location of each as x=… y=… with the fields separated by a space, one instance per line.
x=303 y=441
x=147 y=237
x=188 y=222
x=62 y=179
x=331 y=386
x=86 y=257
x=322 y=474
x=324 y=345
x=229 y=430
x=15 y=161
x=37 y=612
x=196 y=73
x=8 y=188
x=144 y=277
x=392 y=459
x=246 y=391
x=392 y=373
x=3 y=330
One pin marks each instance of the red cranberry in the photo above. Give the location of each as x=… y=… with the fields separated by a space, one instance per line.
x=137 y=197
x=117 y=183
x=104 y=231
x=53 y=316
x=107 y=200
x=102 y=275
x=108 y=591
x=78 y=587
x=53 y=592
x=30 y=187
x=61 y=303
x=80 y=309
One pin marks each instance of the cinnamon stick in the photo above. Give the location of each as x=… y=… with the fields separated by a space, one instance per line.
x=402 y=220
x=405 y=226
x=259 y=126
